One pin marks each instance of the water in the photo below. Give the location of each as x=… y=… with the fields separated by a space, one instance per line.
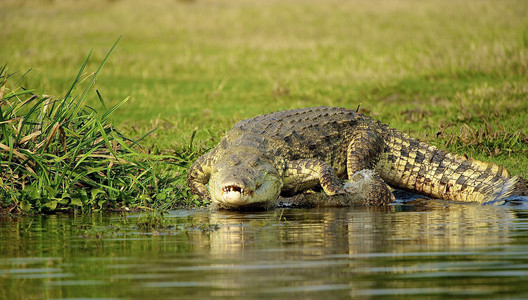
x=434 y=251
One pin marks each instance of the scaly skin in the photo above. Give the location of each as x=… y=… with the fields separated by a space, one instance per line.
x=292 y=151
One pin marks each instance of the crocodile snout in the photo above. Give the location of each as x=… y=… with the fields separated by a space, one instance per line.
x=248 y=182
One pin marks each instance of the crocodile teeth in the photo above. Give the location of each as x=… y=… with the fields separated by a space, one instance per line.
x=232 y=188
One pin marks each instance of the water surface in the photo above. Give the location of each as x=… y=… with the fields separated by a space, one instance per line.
x=408 y=251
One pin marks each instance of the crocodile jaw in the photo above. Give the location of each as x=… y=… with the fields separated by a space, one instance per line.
x=235 y=194
x=240 y=187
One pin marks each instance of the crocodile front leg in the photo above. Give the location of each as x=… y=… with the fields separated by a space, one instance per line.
x=304 y=174
x=364 y=186
x=198 y=176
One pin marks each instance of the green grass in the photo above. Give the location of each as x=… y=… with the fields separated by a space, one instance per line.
x=453 y=73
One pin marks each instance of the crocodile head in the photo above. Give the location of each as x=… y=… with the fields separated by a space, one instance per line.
x=244 y=179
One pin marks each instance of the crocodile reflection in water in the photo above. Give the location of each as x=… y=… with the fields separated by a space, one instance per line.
x=326 y=231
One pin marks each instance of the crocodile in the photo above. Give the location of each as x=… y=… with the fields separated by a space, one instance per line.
x=294 y=151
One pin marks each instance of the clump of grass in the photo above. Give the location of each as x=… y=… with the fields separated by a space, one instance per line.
x=59 y=154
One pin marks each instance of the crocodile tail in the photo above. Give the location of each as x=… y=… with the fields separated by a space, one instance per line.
x=417 y=166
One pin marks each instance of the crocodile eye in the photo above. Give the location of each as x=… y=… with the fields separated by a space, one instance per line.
x=253 y=160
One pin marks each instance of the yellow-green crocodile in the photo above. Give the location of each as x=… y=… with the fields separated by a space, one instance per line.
x=289 y=152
